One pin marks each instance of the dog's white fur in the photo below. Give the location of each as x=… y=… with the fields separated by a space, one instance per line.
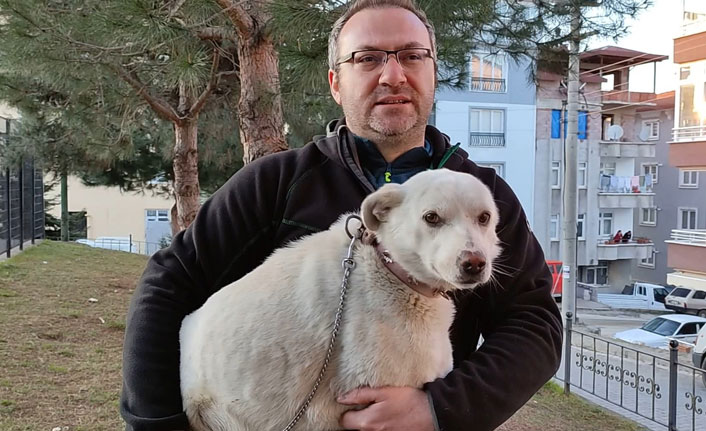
x=251 y=354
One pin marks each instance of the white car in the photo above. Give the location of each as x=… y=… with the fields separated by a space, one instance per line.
x=658 y=331
x=699 y=353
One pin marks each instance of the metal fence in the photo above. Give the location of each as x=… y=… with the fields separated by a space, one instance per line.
x=126 y=244
x=662 y=390
x=21 y=206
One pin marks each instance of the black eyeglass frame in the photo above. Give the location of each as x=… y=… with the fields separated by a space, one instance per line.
x=393 y=52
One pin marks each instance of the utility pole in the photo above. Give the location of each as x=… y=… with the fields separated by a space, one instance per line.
x=570 y=195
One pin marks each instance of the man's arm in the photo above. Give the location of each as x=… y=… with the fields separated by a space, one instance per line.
x=521 y=327
x=230 y=236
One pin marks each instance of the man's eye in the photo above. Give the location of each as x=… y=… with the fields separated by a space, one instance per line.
x=412 y=57
x=367 y=59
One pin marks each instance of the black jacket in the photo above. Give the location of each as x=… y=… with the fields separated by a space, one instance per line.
x=281 y=197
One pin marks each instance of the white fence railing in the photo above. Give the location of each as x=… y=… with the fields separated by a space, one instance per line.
x=690 y=236
x=691 y=133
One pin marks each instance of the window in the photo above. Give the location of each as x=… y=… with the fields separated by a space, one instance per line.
x=648 y=262
x=651 y=169
x=157 y=215
x=688 y=115
x=556 y=175
x=488 y=72
x=487 y=128
x=607 y=168
x=699 y=294
x=689 y=329
x=688 y=179
x=554 y=227
x=498 y=167
x=596 y=275
x=581 y=175
x=557 y=120
x=686 y=218
x=579 y=226
x=684 y=72
x=652 y=130
x=680 y=292
x=605 y=224
x=648 y=216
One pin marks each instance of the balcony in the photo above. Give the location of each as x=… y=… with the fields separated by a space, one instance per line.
x=495 y=85
x=631 y=192
x=686 y=250
x=622 y=97
x=479 y=139
x=638 y=249
x=627 y=149
x=688 y=148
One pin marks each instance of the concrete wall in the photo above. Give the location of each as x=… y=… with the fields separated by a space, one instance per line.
x=111 y=212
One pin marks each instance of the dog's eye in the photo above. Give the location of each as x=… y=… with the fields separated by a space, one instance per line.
x=432 y=218
x=484 y=218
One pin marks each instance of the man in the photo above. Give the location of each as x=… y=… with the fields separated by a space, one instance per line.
x=382 y=59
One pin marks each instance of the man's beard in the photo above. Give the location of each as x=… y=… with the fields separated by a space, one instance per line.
x=385 y=124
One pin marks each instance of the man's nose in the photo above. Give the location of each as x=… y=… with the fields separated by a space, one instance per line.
x=392 y=73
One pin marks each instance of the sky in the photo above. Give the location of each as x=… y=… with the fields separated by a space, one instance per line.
x=653 y=32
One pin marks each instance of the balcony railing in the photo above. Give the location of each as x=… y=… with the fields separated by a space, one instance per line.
x=625 y=184
x=691 y=133
x=689 y=236
x=487 y=139
x=488 y=84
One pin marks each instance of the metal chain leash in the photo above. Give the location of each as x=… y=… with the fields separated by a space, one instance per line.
x=348 y=265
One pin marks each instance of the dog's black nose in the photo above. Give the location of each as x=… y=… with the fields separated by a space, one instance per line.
x=471 y=265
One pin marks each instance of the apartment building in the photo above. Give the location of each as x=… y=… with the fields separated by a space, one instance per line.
x=612 y=187
x=686 y=248
x=671 y=193
x=493 y=119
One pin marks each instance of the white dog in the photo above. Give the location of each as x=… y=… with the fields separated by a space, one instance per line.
x=251 y=354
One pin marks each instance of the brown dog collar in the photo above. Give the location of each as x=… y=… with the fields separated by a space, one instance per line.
x=368 y=238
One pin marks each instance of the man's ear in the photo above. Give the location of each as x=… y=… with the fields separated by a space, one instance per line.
x=334 y=86
x=376 y=207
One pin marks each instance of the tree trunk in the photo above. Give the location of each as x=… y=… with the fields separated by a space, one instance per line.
x=260 y=106
x=186 y=171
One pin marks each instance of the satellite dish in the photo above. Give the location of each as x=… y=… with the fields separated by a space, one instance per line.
x=644 y=134
x=614 y=132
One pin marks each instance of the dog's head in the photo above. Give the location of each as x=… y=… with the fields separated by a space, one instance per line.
x=439 y=225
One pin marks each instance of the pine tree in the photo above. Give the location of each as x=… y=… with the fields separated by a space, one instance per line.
x=127 y=60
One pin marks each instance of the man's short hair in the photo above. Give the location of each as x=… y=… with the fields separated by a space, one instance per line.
x=359 y=5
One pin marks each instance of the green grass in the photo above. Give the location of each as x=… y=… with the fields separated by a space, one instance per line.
x=60 y=362
x=61 y=354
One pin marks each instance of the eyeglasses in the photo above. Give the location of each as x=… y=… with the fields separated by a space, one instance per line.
x=411 y=59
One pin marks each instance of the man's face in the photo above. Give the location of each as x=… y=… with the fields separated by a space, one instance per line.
x=390 y=101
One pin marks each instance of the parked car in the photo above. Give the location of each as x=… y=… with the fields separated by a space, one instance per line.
x=658 y=331
x=638 y=296
x=686 y=300
x=699 y=353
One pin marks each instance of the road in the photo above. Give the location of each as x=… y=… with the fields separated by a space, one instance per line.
x=627 y=380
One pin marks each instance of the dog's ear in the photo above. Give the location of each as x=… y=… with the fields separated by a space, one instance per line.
x=377 y=206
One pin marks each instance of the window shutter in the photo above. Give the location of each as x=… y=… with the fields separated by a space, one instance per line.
x=556 y=123
x=583 y=117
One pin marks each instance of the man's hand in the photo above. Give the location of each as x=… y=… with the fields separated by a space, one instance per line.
x=390 y=409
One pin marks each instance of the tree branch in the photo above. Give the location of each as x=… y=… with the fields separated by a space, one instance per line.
x=237 y=15
x=212 y=83
x=161 y=107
